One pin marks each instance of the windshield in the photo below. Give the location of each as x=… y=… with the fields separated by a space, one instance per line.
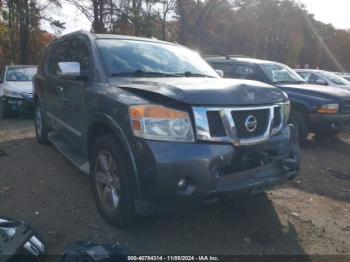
x=142 y=58
x=338 y=80
x=280 y=74
x=20 y=74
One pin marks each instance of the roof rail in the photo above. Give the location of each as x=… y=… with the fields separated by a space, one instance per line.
x=226 y=56
x=236 y=56
x=213 y=56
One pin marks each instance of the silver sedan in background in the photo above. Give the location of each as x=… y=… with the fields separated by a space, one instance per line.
x=321 y=77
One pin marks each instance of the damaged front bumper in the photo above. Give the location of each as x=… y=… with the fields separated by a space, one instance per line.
x=24 y=104
x=181 y=175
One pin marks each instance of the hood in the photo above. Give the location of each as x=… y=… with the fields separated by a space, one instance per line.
x=329 y=91
x=206 y=91
x=25 y=87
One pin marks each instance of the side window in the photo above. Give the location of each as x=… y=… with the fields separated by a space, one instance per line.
x=238 y=71
x=80 y=53
x=2 y=76
x=226 y=68
x=59 y=55
x=243 y=71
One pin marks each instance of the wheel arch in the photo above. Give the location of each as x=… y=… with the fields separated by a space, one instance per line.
x=300 y=107
x=104 y=124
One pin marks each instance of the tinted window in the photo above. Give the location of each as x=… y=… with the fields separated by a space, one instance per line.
x=241 y=71
x=312 y=78
x=59 y=55
x=80 y=53
x=280 y=74
x=125 y=56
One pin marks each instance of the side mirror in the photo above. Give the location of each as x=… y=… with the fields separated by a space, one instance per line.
x=220 y=72
x=70 y=71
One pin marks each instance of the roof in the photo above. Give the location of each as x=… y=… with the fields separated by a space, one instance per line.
x=112 y=36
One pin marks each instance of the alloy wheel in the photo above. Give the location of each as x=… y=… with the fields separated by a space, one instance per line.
x=107 y=181
x=38 y=121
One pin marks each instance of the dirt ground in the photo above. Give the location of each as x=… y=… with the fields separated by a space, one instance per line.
x=309 y=216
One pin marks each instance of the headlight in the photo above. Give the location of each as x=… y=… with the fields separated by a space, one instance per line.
x=161 y=123
x=10 y=93
x=286 y=111
x=329 y=109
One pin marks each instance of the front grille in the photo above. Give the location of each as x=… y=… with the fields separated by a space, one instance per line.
x=345 y=107
x=216 y=126
x=262 y=120
x=238 y=125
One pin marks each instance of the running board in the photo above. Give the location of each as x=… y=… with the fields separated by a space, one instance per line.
x=69 y=152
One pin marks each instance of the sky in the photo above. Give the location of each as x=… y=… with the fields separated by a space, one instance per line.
x=336 y=12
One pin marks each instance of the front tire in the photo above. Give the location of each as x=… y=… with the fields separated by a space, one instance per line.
x=301 y=123
x=41 y=128
x=111 y=182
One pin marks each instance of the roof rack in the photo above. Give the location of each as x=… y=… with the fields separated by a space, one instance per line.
x=236 y=56
x=213 y=55
x=228 y=57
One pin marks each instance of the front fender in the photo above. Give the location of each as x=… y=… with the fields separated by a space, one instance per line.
x=118 y=131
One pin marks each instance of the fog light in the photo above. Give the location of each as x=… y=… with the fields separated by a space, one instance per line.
x=182 y=184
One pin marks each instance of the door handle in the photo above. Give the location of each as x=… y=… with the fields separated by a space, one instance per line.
x=60 y=89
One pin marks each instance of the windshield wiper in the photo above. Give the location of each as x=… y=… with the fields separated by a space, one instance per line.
x=141 y=73
x=190 y=74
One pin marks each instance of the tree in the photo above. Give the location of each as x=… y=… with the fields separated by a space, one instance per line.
x=20 y=19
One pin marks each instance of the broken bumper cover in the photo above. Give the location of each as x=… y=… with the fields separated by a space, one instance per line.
x=24 y=104
x=339 y=123
x=186 y=174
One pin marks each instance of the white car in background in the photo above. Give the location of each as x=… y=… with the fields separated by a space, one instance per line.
x=16 y=89
x=321 y=77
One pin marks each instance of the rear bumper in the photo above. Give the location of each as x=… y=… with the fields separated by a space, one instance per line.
x=19 y=104
x=213 y=171
x=330 y=123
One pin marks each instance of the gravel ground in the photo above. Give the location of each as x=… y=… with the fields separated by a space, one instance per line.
x=310 y=215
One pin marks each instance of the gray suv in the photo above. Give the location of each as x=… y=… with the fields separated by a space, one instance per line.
x=156 y=128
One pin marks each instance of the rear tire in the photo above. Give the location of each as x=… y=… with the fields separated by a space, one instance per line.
x=6 y=110
x=111 y=182
x=41 y=128
x=300 y=121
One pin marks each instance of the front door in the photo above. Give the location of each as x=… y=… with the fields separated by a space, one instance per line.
x=54 y=84
x=72 y=93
